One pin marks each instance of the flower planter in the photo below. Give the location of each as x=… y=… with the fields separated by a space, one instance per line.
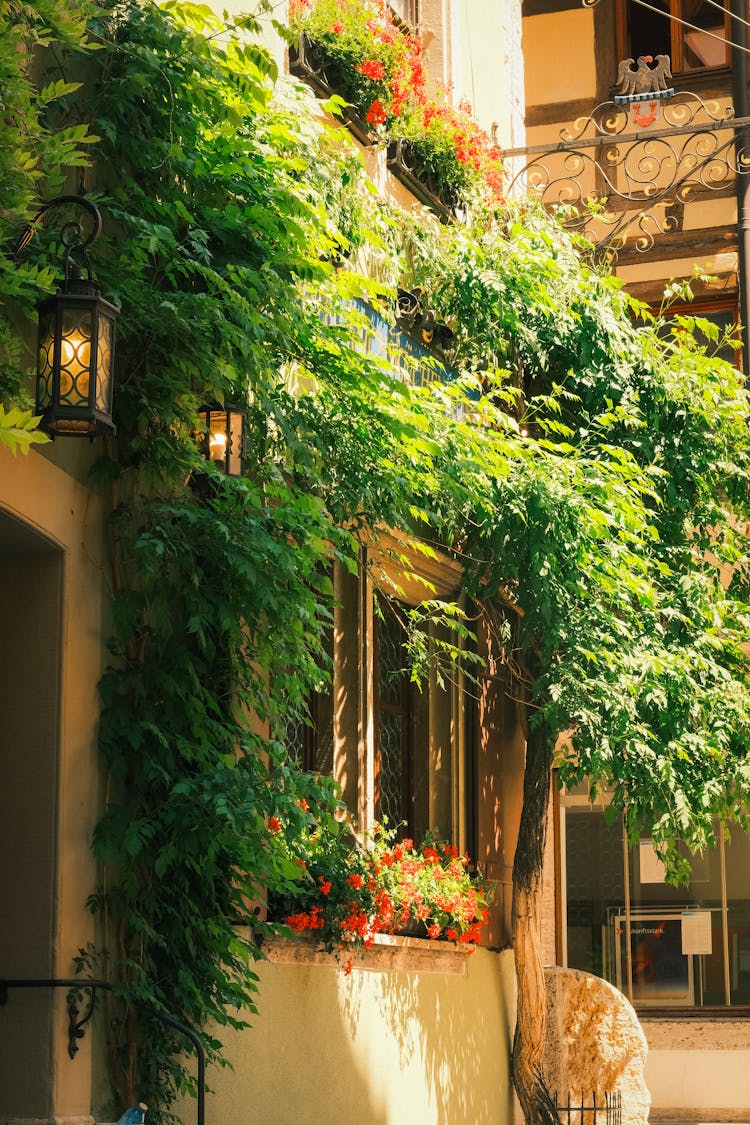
x=311 y=62
x=407 y=167
x=388 y=953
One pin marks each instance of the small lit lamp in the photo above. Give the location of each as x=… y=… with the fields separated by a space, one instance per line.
x=222 y=433
x=76 y=339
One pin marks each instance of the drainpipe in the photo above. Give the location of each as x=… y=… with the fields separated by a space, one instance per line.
x=738 y=38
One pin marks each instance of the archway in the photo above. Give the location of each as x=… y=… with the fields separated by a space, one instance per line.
x=31 y=572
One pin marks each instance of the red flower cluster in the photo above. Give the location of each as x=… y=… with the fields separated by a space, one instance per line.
x=312 y=919
x=376 y=114
x=372 y=68
x=394 y=93
x=354 y=895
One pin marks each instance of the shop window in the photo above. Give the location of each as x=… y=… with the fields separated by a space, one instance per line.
x=702 y=45
x=677 y=948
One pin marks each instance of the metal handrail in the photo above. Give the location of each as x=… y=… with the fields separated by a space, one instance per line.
x=76 y=1025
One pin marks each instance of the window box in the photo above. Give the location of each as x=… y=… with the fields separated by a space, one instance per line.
x=407 y=167
x=312 y=63
x=388 y=953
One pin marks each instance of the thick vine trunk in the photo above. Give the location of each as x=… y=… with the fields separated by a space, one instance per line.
x=528 y=1047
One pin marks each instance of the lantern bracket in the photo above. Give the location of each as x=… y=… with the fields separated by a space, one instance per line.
x=74 y=238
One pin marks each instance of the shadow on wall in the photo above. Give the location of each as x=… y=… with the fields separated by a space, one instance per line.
x=294 y=1065
x=453 y=1032
x=371 y=1048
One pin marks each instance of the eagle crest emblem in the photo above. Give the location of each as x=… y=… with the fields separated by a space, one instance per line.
x=644 y=82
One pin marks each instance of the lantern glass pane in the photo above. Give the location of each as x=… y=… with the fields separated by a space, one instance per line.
x=234 y=449
x=45 y=360
x=218 y=437
x=104 y=364
x=75 y=357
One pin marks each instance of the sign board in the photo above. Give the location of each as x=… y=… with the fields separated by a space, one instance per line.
x=651 y=867
x=696 y=933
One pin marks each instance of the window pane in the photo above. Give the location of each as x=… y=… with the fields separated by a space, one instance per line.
x=392 y=738
x=701 y=47
x=406 y=10
x=724 y=318
x=393 y=725
x=738 y=903
x=649 y=33
x=663 y=918
x=595 y=889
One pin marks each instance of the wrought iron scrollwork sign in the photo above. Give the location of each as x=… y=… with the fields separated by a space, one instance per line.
x=421 y=323
x=613 y=183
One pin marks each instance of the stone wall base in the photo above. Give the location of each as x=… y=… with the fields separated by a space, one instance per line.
x=688 y=1115
x=86 y=1119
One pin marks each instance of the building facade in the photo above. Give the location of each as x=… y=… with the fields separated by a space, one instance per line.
x=677 y=953
x=415 y=1031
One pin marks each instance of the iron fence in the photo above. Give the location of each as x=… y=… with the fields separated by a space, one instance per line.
x=595 y=1111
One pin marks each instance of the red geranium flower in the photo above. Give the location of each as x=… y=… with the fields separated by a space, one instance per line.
x=376 y=114
x=274 y=824
x=372 y=68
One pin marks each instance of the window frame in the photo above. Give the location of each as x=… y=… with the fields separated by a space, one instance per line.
x=405 y=13
x=676 y=37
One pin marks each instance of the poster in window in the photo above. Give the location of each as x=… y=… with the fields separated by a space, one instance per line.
x=696 y=932
x=650 y=865
x=662 y=973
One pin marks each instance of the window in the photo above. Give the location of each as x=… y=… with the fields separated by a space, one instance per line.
x=407 y=12
x=701 y=46
x=667 y=947
x=393 y=774
x=309 y=742
x=393 y=747
x=723 y=314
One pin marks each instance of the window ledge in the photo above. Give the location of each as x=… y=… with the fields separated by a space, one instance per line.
x=388 y=953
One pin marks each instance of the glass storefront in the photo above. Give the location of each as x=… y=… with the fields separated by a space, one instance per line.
x=665 y=947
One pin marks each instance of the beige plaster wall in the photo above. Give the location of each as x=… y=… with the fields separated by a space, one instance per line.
x=699 y=1069
x=376 y=1047
x=488 y=66
x=559 y=56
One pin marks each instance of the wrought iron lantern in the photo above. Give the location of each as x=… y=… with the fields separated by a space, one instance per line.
x=76 y=340
x=222 y=436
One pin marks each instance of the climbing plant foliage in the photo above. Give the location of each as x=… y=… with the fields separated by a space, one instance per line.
x=587 y=464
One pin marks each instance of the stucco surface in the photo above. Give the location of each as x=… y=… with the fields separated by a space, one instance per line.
x=702 y=1084
x=594 y=1042
x=375 y=1048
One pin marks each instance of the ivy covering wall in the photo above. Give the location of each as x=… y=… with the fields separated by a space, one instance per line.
x=582 y=466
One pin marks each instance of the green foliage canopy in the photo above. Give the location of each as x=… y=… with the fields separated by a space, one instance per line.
x=591 y=476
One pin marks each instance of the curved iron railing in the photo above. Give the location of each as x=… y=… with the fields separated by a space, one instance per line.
x=76 y=1025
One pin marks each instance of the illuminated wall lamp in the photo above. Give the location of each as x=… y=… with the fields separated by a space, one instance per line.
x=222 y=437
x=76 y=340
